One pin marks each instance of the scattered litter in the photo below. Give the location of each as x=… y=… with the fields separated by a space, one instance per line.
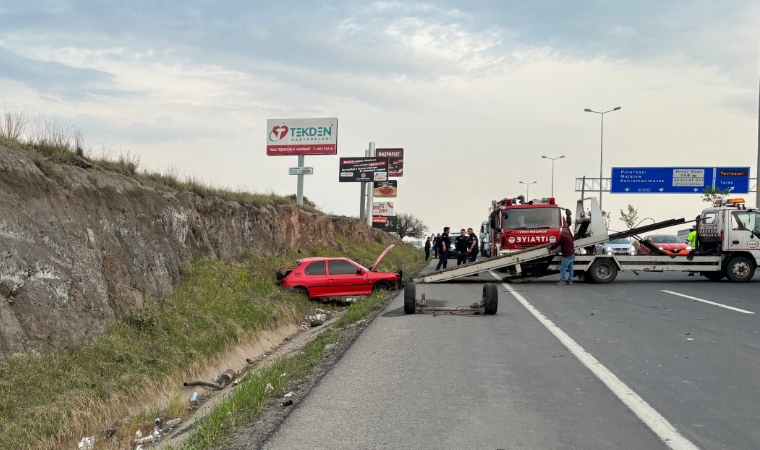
x=288 y=395
x=158 y=421
x=286 y=403
x=138 y=434
x=145 y=440
x=139 y=447
x=216 y=379
x=351 y=300
x=688 y=334
x=689 y=339
x=111 y=432
x=283 y=375
x=174 y=422
x=194 y=397
x=250 y=361
x=269 y=388
x=329 y=346
x=87 y=443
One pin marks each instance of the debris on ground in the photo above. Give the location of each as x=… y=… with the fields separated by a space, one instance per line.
x=194 y=397
x=220 y=381
x=87 y=443
x=286 y=403
x=289 y=394
x=269 y=388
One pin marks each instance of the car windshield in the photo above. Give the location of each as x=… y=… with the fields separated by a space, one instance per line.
x=532 y=219
x=667 y=240
x=619 y=242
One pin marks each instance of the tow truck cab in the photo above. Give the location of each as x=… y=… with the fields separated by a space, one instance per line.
x=518 y=225
x=731 y=229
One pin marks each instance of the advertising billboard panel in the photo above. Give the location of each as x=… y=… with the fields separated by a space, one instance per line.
x=363 y=169
x=382 y=209
x=389 y=224
x=395 y=160
x=302 y=136
x=386 y=189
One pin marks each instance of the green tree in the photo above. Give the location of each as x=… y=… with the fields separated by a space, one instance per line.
x=710 y=194
x=631 y=218
x=409 y=225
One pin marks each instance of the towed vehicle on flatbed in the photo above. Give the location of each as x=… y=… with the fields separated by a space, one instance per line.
x=319 y=277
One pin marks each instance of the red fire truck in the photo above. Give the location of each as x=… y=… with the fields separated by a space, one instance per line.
x=517 y=224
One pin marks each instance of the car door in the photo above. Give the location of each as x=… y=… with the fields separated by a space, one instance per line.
x=744 y=231
x=344 y=278
x=314 y=278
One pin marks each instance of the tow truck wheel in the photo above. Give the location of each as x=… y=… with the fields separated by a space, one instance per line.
x=410 y=298
x=714 y=276
x=603 y=270
x=740 y=269
x=490 y=298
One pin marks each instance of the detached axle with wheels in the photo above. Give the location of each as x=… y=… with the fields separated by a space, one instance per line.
x=488 y=304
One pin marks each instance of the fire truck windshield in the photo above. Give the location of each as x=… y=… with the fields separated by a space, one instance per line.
x=532 y=218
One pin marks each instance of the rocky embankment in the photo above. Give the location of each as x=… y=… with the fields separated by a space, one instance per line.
x=88 y=246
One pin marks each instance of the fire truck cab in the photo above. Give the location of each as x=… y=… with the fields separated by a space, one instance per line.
x=518 y=225
x=731 y=230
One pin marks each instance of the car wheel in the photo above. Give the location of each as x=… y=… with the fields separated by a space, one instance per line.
x=603 y=270
x=490 y=298
x=303 y=291
x=410 y=298
x=740 y=269
x=381 y=286
x=713 y=276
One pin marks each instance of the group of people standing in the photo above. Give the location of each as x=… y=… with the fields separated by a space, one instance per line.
x=465 y=247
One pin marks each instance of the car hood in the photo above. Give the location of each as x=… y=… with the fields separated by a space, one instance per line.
x=671 y=246
x=380 y=258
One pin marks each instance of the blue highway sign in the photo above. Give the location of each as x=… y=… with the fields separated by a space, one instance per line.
x=678 y=180
x=735 y=178
x=661 y=180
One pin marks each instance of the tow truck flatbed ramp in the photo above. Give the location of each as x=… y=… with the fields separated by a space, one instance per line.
x=532 y=254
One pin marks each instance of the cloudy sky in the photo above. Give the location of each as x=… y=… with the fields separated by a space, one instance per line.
x=475 y=92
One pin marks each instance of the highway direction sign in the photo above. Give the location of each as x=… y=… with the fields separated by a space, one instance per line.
x=677 y=180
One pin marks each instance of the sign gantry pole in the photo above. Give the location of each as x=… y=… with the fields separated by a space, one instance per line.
x=370 y=190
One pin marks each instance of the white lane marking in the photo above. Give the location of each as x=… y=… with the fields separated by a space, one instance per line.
x=709 y=302
x=651 y=418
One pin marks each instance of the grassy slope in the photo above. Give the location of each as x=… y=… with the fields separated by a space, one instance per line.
x=55 y=399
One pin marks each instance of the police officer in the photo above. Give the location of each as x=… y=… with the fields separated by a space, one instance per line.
x=473 y=245
x=462 y=246
x=436 y=241
x=427 y=249
x=444 y=242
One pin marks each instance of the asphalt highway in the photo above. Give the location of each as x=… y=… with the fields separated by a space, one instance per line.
x=623 y=365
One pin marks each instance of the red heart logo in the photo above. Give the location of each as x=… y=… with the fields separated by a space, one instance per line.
x=279 y=132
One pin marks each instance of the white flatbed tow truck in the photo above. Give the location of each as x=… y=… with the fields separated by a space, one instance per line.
x=525 y=265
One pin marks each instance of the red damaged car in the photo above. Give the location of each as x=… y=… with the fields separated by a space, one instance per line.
x=337 y=277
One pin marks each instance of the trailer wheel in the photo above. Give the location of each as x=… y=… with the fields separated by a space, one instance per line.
x=490 y=298
x=740 y=269
x=410 y=298
x=603 y=270
x=714 y=276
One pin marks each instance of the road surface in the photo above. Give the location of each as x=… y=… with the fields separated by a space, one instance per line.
x=686 y=359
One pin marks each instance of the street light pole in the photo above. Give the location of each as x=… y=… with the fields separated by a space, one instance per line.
x=527 y=192
x=559 y=157
x=601 y=150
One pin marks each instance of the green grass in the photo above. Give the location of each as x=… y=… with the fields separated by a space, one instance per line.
x=244 y=403
x=52 y=400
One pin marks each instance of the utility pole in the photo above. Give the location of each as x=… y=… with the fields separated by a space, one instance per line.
x=370 y=189
x=757 y=170
x=299 y=188
x=362 y=215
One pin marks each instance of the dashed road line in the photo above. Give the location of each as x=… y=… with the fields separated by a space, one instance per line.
x=651 y=418
x=743 y=311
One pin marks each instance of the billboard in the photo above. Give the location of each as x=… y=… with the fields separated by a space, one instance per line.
x=382 y=209
x=395 y=160
x=302 y=136
x=386 y=189
x=389 y=224
x=363 y=169
x=677 y=180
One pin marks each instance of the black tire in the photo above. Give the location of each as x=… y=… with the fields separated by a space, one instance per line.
x=303 y=291
x=603 y=270
x=410 y=298
x=381 y=286
x=740 y=269
x=490 y=298
x=714 y=276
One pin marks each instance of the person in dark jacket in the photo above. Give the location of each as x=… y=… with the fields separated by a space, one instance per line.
x=435 y=245
x=473 y=245
x=565 y=243
x=462 y=245
x=443 y=249
x=427 y=249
